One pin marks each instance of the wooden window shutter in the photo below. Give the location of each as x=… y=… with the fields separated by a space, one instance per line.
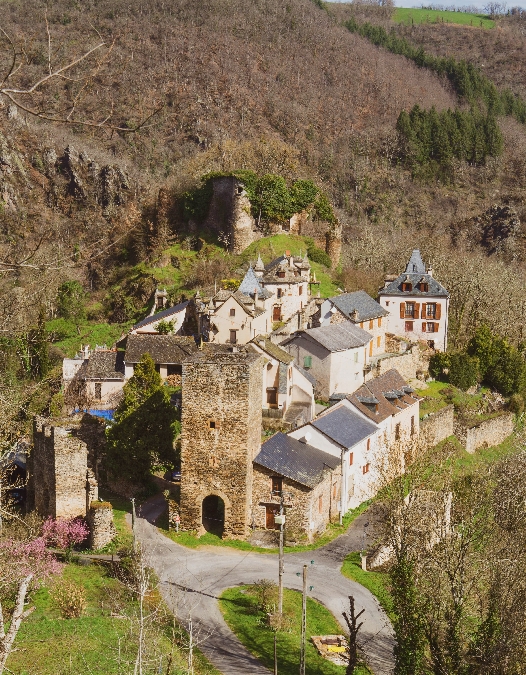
x=424 y=326
x=424 y=306
x=417 y=309
x=402 y=310
x=435 y=326
x=438 y=312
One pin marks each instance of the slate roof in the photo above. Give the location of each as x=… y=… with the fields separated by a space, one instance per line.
x=250 y=285
x=295 y=460
x=272 y=350
x=283 y=264
x=161 y=315
x=416 y=264
x=360 y=302
x=103 y=365
x=306 y=374
x=415 y=271
x=338 y=337
x=170 y=349
x=376 y=390
x=434 y=288
x=344 y=426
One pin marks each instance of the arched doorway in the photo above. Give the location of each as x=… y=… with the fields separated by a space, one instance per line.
x=214 y=514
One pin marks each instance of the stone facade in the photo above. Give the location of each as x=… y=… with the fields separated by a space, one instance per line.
x=489 y=433
x=309 y=510
x=436 y=427
x=221 y=435
x=412 y=364
x=61 y=484
x=100 y=521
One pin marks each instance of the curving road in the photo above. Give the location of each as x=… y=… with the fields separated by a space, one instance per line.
x=192 y=580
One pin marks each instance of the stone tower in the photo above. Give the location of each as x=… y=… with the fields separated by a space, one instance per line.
x=221 y=435
x=60 y=484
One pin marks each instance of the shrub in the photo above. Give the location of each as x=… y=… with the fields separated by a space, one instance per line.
x=439 y=364
x=317 y=255
x=165 y=327
x=266 y=594
x=70 y=599
x=463 y=370
x=516 y=404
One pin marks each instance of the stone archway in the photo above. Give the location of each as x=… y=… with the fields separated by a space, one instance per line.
x=213 y=514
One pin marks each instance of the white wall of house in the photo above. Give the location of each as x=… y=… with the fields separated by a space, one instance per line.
x=231 y=316
x=376 y=327
x=420 y=318
x=335 y=372
x=70 y=367
x=108 y=389
x=290 y=297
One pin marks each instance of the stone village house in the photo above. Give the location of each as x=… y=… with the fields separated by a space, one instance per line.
x=336 y=355
x=417 y=304
x=361 y=310
x=230 y=483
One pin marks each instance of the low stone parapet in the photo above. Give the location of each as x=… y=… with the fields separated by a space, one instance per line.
x=489 y=432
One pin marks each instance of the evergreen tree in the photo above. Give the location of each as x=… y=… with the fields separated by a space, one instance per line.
x=145 y=426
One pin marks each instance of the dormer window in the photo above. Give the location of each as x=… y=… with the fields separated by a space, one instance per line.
x=281 y=275
x=407 y=286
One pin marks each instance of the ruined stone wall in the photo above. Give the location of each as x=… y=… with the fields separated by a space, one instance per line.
x=230 y=214
x=436 y=427
x=412 y=364
x=221 y=435
x=489 y=433
x=60 y=482
x=333 y=243
x=304 y=518
x=100 y=521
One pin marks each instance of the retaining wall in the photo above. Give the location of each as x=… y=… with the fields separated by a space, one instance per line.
x=436 y=427
x=490 y=432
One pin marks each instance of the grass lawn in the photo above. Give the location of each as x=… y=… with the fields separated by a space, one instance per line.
x=247 y=621
x=438 y=395
x=192 y=541
x=376 y=582
x=410 y=15
x=96 y=643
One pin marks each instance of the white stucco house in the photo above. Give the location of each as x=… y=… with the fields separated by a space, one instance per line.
x=362 y=311
x=335 y=355
x=418 y=304
x=343 y=432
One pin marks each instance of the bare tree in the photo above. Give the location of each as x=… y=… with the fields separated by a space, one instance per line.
x=79 y=72
x=351 y=619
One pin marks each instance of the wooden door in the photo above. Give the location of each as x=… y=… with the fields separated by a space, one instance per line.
x=272 y=510
x=276 y=314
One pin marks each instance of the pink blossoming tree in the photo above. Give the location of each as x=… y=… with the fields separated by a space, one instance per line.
x=65 y=533
x=24 y=565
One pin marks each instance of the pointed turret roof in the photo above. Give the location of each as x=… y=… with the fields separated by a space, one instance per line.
x=250 y=285
x=259 y=267
x=416 y=264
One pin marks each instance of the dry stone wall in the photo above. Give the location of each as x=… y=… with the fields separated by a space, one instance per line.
x=436 y=427
x=489 y=433
x=221 y=435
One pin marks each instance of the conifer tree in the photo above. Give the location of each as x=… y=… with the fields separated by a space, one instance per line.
x=145 y=426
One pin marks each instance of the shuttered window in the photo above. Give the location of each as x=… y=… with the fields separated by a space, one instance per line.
x=307 y=361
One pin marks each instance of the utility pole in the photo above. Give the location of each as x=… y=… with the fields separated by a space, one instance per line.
x=303 y=621
x=281 y=561
x=133 y=523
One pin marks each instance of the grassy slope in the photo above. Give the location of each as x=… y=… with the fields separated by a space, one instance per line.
x=50 y=645
x=376 y=582
x=410 y=15
x=241 y=614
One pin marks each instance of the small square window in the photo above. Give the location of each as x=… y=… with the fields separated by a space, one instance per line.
x=307 y=361
x=408 y=326
x=365 y=468
x=213 y=424
x=233 y=311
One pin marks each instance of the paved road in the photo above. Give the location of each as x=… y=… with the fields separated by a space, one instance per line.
x=192 y=580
